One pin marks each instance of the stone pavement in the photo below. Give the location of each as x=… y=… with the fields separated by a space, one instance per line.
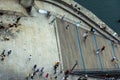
x=36 y=37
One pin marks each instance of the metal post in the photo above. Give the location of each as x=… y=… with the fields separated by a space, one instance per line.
x=74 y=65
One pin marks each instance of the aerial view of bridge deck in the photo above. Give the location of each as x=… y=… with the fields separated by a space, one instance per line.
x=55 y=40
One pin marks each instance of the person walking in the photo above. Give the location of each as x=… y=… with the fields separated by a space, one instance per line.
x=92 y=30
x=41 y=71
x=37 y=71
x=9 y=52
x=100 y=50
x=3 y=53
x=55 y=67
x=3 y=58
x=103 y=48
x=113 y=59
x=67 y=27
x=66 y=74
x=85 y=35
x=34 y=67
x=46 y=76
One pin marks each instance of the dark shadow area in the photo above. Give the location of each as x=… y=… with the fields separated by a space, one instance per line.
x=107 y=10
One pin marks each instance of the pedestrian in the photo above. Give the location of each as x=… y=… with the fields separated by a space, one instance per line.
x=57 y=63
x=34 y=67
x=62 y=17
x=67 y=27
x=3 y=58
x=92 y=30
x=34 y=73
x=30 y=57
x=41 y=71
x=37 y=71
x=2 y=27
x=48 y=14
x=55 y=77
x=66 y=74
x=32 y=76
x=47 y=75
x=9 y=52
x=18 y=20
x=85 y=35
x=113 y=59
x=102 y=49
x=3 y=53
x=10 y=25
x=55 y=67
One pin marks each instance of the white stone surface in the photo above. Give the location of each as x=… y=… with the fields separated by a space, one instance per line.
x=35 y=37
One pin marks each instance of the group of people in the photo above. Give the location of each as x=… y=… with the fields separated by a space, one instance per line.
x=76 y=8
x=35 y=71
x=39 y=72
x=3 y=55
x=100 y=50
x=10 y=25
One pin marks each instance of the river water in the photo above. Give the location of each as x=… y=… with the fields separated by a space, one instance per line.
x=107 y=10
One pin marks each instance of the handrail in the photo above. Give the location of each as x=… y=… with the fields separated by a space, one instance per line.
x=64 y=3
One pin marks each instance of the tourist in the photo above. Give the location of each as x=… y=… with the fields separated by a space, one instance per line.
x=100 y=50
x=62 y=17
x=113 y=59
x=55 y=67
x=3 y=53
x=30 y=57
x=34 y=67
x=9 y=52
x=41 y=71
x=10 y=25
x=18 y=19
x=66 y=74
x=85 y=35
x=92 y=30
x=46 y=76
x=2 y=59
x=37 y=71
x=67 y=27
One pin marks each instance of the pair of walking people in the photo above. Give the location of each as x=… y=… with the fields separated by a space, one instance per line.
x=3 y=55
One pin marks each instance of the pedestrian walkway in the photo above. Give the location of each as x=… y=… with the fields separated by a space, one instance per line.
x=71 y=52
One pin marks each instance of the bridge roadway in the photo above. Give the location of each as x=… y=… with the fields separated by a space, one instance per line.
x=74 y=48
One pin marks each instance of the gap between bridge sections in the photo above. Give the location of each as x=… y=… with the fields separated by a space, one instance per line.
x=99 y=58
x=80 y=48
x=113 y=52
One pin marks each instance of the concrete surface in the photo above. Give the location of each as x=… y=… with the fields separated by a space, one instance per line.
x=34 y=37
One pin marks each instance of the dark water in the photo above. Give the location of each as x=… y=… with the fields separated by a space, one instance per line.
x=107 y=10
